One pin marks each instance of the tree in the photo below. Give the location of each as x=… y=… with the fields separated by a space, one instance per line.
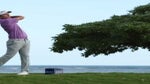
x=116 y=34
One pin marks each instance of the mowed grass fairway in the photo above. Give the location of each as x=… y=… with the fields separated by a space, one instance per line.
x=77 y=78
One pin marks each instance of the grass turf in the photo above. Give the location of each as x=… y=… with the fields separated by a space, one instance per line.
x=77 y=78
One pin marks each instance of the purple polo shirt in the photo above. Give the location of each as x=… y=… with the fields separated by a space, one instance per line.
x=12 y=28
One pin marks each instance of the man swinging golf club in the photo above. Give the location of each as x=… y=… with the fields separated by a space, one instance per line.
x=18 y=41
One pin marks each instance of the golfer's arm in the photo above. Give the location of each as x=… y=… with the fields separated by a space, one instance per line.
x=18 y=17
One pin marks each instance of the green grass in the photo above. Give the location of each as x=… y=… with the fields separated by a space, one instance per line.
x=77 y=78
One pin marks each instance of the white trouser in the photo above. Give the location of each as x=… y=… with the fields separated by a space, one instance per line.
x=17 y=45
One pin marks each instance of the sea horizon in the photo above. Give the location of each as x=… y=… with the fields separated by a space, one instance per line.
x=79 y=68
x=79 y=65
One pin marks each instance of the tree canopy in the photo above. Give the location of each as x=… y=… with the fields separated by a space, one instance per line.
x=120 y=32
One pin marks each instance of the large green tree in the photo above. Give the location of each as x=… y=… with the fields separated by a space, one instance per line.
x=116 y=34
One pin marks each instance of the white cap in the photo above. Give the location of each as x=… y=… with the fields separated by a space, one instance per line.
x=4 y=12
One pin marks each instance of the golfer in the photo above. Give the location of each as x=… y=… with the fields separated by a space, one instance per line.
x=17 y=42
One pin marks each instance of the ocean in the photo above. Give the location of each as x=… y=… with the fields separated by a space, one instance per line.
x=81 y=69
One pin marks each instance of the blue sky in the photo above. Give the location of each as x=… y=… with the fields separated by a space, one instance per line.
x=44 y=19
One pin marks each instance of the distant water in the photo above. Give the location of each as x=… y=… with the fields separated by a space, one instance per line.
x=80 y=69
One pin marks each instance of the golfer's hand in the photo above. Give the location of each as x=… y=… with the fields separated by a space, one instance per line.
x=18 y=17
